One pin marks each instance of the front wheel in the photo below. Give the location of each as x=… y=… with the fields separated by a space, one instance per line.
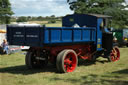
x=114 y=55
x=66 y=61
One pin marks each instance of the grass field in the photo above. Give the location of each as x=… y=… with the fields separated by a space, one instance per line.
x=57 y=24
x=14 y=72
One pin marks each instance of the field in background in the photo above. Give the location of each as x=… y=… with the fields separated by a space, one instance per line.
x=57 y=24
x=46 y=23
x=14 y=72
x=38 y=22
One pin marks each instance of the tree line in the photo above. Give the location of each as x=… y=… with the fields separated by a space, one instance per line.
x=50 y=19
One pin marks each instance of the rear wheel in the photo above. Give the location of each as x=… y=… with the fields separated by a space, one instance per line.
x=66 y=61
x=32 y=62
x=114 y=55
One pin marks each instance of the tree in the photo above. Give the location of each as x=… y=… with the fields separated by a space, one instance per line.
x=114 y=8
x=52 y=21
x=53 y=16
x=5 y=11
x=29 y=18
x=22 y=19
x=39 y=18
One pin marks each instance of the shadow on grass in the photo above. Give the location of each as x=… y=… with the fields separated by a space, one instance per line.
x=22 y=69
x=108 y=79
x=25 y=71
x=93 y=80
x=87 y=62
x=124 y=71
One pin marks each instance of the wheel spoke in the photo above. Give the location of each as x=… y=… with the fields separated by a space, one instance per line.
x=113 y=50
x=65 y=66
x=112 y=57
x=115 y=54
x=70 y=62
x=67 y=61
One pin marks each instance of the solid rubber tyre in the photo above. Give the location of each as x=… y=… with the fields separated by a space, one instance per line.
x=114 y=55
x=31 y=62
x=66 y=61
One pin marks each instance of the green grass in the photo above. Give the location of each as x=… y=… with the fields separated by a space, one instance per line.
x=14 y=72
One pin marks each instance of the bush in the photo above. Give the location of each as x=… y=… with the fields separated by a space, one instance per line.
x=52 y=21
x=21 y=19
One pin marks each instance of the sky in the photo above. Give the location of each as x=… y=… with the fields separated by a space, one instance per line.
x=40 y=7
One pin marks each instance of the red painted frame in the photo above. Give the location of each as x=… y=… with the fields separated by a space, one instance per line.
x=83 y=51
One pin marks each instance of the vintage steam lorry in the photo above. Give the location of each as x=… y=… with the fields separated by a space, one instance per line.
x=82 y=36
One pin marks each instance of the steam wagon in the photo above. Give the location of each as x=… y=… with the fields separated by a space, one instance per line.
x=82 y=36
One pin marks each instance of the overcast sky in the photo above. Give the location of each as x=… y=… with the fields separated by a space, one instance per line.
x=40 y=7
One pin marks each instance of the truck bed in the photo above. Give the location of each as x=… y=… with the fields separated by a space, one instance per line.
x=41 y=35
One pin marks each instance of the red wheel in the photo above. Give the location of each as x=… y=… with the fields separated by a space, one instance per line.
x=114 y=55
x=66 y=61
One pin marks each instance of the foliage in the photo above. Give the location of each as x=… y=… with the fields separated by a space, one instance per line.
x=57 y=24
x=39 y=18
x=114 y=8
x=21 y=19
x=5 y=11
x=52 y=21
x=53 y=16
